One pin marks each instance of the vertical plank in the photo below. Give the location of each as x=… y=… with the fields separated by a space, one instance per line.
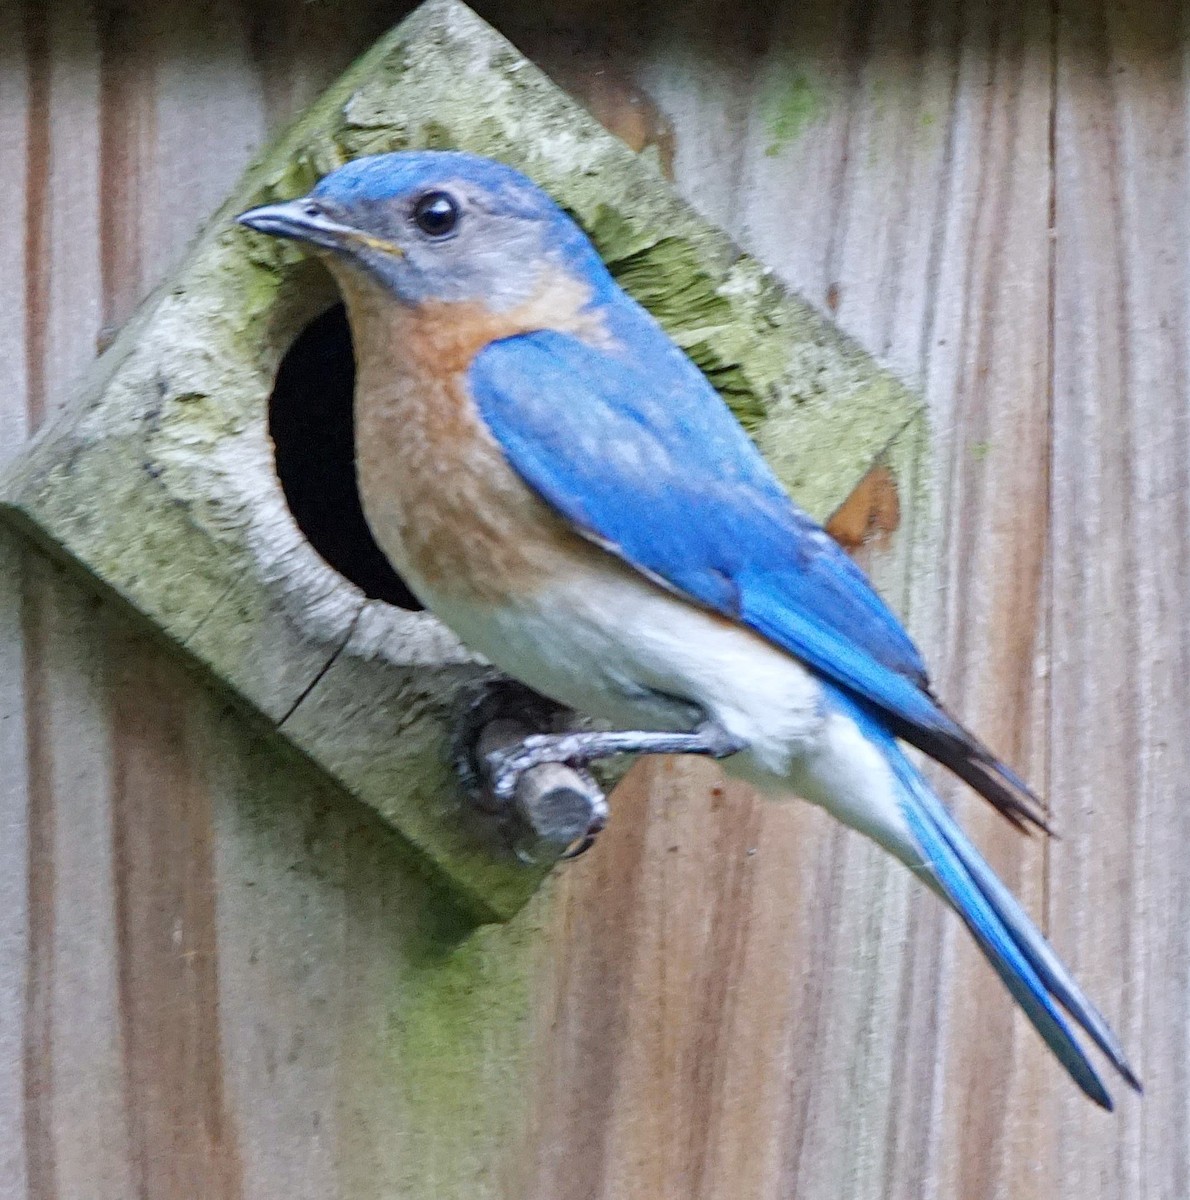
x=62 y=216
x=233 y=985
x=14 y=423
x=182 y=1138
x=14 y=857
x=893 y=164
x=68 y=943
x=75 y=1131
x=1121 y=625
x=987 y=377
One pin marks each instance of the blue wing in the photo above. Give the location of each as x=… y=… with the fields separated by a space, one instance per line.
x=654 y=467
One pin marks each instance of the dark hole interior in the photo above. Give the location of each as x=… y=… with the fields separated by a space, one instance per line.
x=312 y=428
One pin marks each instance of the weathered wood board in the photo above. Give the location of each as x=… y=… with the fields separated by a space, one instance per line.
x=204 y=994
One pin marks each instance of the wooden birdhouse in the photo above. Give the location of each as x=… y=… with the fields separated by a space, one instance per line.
x=205 y=473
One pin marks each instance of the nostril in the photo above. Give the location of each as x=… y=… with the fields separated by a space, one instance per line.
x=313 y=432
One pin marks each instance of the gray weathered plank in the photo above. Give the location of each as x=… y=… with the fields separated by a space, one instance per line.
x=15 y=89
x=1120 y=618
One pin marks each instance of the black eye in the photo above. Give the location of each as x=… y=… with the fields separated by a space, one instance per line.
x=436 y=213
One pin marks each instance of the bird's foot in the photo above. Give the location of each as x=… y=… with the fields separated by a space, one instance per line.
x=505 y=704
x=560 y=804
x=541 y=779
x=506 y=765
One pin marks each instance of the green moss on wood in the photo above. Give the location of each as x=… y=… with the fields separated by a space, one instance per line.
x=790 y=102
x=461 y=1030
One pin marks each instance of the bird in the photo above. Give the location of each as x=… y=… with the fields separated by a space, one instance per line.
x=561 y=485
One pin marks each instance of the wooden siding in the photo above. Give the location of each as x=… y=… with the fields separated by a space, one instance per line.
x=204 y=952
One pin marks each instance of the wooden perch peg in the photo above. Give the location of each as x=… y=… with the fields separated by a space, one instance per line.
x=561 y=805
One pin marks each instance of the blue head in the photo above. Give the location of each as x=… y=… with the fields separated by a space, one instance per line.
x=437 y=225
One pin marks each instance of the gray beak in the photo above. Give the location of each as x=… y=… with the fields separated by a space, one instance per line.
x=301 y=220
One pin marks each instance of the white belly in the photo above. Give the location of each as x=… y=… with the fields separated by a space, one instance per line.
x=609 y=643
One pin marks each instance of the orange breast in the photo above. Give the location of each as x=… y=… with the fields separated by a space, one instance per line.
x=439 y=495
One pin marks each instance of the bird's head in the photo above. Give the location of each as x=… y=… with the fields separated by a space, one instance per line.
x=436 y=226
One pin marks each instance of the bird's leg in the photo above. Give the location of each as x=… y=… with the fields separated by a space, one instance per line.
x=507 y=764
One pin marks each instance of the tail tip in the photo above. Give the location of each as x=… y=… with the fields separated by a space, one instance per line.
x=1094 y=1088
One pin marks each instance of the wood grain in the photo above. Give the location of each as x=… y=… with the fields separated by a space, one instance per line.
x=728 y=999
x=895 y=1080
x=949 y=273
x=1120 y=619
x=167 y=939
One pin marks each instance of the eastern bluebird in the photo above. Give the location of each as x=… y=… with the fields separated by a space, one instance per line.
x=560 y=484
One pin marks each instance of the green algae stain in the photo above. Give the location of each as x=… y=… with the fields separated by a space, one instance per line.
x=667 y=279
x=614 y=235
x=790 y=104
x=293 y=178
x=459 y=1034
x=733 y=383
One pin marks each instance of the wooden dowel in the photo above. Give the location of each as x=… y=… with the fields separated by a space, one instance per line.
x=557 y=802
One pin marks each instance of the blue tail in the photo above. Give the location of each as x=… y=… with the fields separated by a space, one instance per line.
x=1014 y=946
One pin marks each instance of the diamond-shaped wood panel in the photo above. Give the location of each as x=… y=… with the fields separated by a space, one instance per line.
x=159 y=480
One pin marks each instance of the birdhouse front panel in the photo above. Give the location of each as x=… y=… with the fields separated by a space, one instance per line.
x=162 y=480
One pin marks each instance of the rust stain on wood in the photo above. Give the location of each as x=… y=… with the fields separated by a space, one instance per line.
x=619 y=104
x=870 y=515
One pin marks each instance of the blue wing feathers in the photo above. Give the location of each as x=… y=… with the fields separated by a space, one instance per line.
x=628 y=457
